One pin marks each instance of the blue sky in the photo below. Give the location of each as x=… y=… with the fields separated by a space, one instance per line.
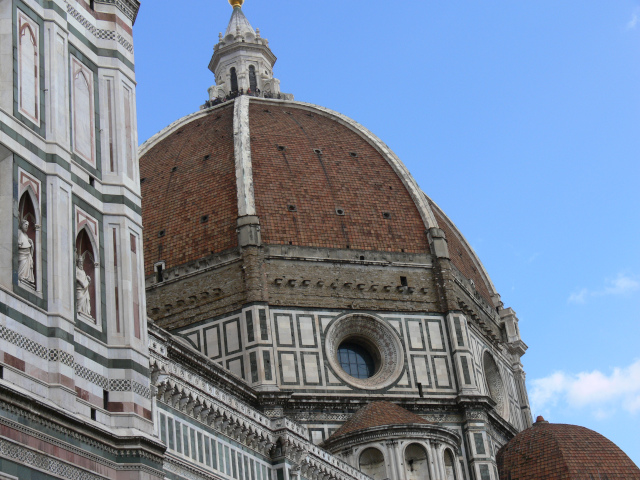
x=521 y=119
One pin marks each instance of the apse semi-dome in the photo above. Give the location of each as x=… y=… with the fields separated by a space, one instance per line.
x=550 y=451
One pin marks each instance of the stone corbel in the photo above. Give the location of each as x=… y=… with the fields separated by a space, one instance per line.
x=160 y=389
x=438 y=242
x=184 y=401
x=198 y=407
x=204 y=412
x=176 y=395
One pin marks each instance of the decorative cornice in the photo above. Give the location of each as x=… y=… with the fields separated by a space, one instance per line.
x=196 y=395
x=129 y=7
x=33 y=458
x=99 y=33
x=186 y=360
x=75 y=428
x=391 y=432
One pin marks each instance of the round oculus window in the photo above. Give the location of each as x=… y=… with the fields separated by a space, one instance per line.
x=356 y=360
x=364 y=351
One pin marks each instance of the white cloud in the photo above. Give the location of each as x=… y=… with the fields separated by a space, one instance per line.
x=620 y=285
x=602 y=394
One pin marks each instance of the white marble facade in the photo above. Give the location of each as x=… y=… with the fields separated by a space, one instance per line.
x=72 y=339
x=272 y=348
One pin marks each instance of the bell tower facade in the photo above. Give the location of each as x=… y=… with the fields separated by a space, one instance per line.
x=75 y=395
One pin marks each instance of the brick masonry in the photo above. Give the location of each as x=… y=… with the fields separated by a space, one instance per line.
x=190 y=175
x=556 y=451
x=316 y=165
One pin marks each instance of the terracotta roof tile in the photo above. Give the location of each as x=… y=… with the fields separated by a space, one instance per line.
x=549 y=451
x=378 y=414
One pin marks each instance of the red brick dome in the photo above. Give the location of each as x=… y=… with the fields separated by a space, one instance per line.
x=318 y=180
x=555 y=451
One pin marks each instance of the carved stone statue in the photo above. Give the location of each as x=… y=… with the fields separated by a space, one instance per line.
x=83 y=282
x=25 y=255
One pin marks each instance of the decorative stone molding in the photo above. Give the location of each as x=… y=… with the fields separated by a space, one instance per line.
x=195 y=396
x=242 y=146
x=56 y=355
x=379 y=337
x=128 y=7
x=48 y=421
x=99 y=32
x=469 y=288
x=34 y=459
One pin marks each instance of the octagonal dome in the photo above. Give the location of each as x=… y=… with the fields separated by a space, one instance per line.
x=311 y=176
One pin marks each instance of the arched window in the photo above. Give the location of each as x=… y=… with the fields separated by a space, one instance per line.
x=253 y=81
x=372 y=464
x=234 y=80
x=494 y=384
x=416 y=463
x=27 y=243
x=449 y=465
x=28 y=63
x=86 y=277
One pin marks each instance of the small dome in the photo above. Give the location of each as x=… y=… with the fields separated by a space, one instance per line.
x=564 y=452
x=379 y=414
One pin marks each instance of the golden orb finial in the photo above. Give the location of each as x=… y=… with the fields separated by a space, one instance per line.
x=236 y=3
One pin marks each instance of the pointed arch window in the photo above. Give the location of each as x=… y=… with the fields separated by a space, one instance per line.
x=86 y=277
x=253 y=80
x=28 y=68
x=83 y=112
x=27 y=242
x=234 y=79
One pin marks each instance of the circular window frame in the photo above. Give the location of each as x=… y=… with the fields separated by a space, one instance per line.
x=378 y=338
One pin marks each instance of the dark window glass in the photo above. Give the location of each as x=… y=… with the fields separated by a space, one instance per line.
x=356 y=361
x=253 y=81
x=234 y=80
x=179 y=437
x=264 y=332
x=171 y=440
x=250 y=335
x=185 y=439
x=267 y=365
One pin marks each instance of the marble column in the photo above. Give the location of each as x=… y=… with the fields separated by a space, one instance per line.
x=433 y=471
x=393 y=468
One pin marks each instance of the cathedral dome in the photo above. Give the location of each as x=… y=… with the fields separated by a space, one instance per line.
x=558 y=451
x=311 y=176
x=288 y=244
